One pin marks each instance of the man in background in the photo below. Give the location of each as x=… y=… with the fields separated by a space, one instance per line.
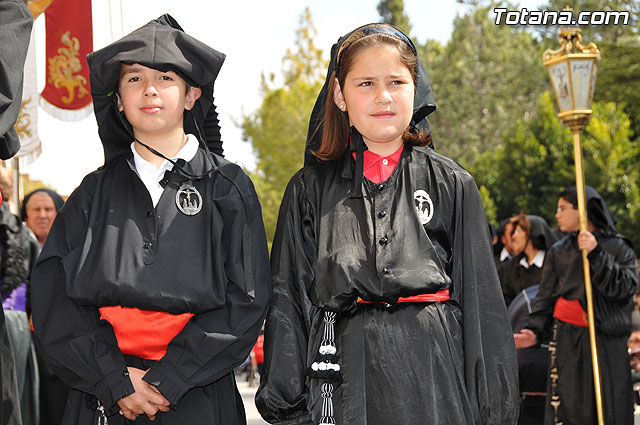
x=39 y=209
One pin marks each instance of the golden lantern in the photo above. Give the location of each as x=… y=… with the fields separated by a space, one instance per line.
x=572 y=69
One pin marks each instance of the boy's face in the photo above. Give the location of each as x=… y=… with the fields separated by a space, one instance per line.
x=567 y=216
x=154 y=101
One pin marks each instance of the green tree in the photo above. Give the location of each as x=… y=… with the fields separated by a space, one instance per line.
x=527 y=172
x=392 y=12
x=486 y=79
x=277 y=129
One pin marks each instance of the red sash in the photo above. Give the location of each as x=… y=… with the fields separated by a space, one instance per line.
x=570 y=311
x=143 y=333
x=442 y=295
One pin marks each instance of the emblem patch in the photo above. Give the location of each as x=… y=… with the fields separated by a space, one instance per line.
x=188 y=199
x=424 y=206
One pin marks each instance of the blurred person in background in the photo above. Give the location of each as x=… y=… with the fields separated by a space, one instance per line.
x=15 y=32
x=18 y=252
x=39 y=209
x=531 y=239
x=559 y=313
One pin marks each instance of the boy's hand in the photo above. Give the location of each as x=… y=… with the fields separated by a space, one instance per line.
x=525 y=339
x=587 y=241
x=146 y=400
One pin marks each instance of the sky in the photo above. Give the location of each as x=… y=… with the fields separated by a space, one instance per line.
x=254 y=35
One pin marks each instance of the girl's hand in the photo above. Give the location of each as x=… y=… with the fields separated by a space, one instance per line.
x=587 y=241
x=525 y=339
x=146 y=400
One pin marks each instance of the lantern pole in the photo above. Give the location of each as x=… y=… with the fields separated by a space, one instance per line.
x=576 y=117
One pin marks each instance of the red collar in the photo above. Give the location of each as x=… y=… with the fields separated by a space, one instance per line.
x=379 y=168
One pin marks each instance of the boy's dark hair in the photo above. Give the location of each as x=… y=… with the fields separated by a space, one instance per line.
x=570 y=194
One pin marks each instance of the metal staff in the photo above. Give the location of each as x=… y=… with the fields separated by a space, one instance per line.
x=573 y=76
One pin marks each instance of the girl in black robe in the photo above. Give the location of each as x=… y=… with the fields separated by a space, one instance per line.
x=200 y=251
x=559 y=313
x=531 y=238
x=387 y=306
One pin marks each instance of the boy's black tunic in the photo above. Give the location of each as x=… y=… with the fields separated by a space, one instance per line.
x=614 y=277
x=110 y=246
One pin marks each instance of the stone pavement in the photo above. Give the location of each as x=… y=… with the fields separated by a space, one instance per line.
x=248 y=393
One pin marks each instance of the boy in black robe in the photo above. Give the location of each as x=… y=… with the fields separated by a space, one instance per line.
x=559 y=312
x=154 y=281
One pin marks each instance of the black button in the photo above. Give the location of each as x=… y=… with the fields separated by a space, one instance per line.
x=380 y=186
x=147 y=245
x=383 y=240
x=149 y=213
x=385 y=270
x=382 y=214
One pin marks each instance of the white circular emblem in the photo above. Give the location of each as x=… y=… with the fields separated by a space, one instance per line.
x=188 y=199
x=424 y=206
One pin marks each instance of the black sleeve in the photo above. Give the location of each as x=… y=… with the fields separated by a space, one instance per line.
x=541 y=317
x=214 y=342
x=282 y=395
x=491 y=368
x=80 y=348
x=15 y=33
x=614 y=275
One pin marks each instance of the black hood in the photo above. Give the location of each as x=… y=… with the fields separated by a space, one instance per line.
x=598 y=211
x=163 y=45
x=541 y=234
x=424 y=102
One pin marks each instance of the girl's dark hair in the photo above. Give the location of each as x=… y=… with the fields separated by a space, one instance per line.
x=336 y=129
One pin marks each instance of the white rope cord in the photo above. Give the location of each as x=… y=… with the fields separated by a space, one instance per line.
x=328 y=346
x=327 y=405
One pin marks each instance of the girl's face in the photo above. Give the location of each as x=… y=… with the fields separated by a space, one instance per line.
x=519 y=240
x=378 y=95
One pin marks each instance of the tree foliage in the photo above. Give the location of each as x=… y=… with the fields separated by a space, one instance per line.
x=277 y=129
x=487 y=78
x=528 y=171
x=392 y=12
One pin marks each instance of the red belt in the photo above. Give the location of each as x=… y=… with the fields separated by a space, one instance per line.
x=442 y=295
x=570 y=311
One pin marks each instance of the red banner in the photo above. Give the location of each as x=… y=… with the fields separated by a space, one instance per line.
x=69 y=38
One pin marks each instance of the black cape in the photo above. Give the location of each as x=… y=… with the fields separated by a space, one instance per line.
x=109 y=245
x=15 y=33
x=399 y=362
x=614 y=276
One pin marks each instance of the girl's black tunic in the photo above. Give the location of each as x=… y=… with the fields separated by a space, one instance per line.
x=447 y=362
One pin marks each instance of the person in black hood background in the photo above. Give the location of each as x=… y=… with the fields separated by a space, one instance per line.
x=154 y=282
x=387 y=306
x=531 y=239
x=559 y=314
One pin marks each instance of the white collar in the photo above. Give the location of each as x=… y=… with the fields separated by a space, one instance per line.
x=538 y=260
x=504 y=255
x=187 y=152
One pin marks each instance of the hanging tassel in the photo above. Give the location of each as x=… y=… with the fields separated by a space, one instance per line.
x=326 y=367
x=327 y=405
